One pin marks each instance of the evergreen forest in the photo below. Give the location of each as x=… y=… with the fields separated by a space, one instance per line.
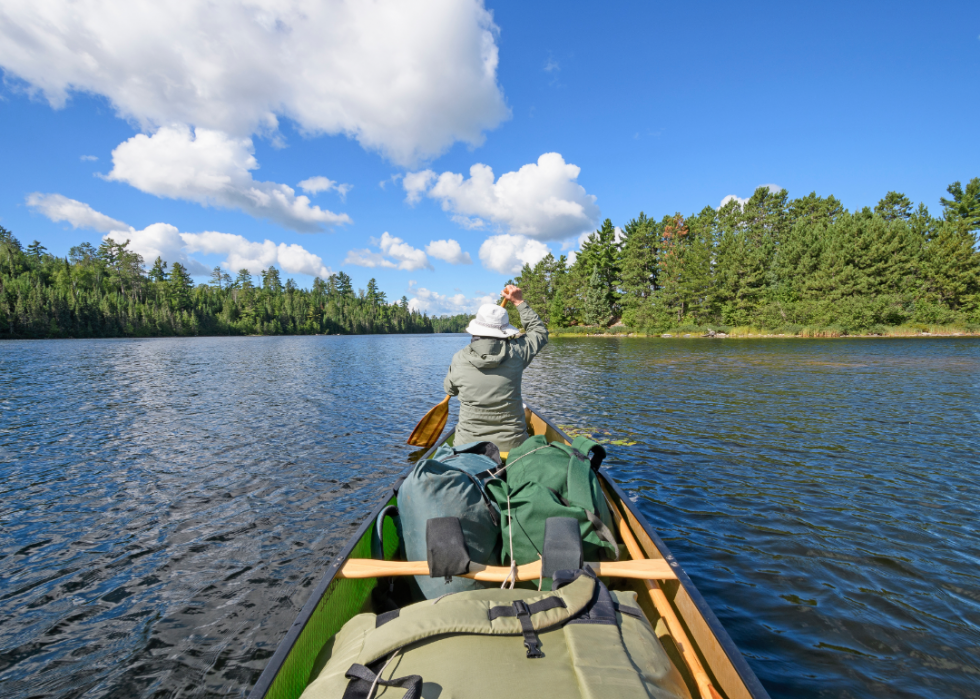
x=107 y=292
x=796 y=266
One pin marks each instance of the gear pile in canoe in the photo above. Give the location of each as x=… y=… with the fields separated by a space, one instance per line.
x=526 y=574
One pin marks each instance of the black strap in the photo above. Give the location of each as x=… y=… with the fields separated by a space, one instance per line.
x=562 y=548
x=531 y=640
x=446 y=548
x=362 y=679
x=488 y=449
x=494 y=515
x=595 y=456
x=601 y=610
x=540 y=606
x=629 y=611
x=566 y=577
x=385 y=617
x=523 y=612
x=600 y=527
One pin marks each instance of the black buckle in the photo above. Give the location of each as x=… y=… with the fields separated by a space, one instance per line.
x=531 y=641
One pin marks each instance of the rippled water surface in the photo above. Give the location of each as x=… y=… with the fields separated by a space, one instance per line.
x=167 y=505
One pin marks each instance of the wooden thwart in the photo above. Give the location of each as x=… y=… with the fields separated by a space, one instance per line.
x=646 y=569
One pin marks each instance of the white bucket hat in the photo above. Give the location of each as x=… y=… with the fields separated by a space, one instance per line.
x=491 y=321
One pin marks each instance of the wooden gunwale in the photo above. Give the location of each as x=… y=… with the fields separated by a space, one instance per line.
x=712 y=642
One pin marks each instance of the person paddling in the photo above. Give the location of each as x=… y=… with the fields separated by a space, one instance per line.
x=486 y=375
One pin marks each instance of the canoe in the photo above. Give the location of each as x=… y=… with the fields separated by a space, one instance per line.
x=691 y=634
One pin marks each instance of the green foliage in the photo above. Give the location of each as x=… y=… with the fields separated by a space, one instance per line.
x=894 y=206
x=801 y=264
x=964 y=207
x=106 y=293
x=637 y=265
x=598 y=310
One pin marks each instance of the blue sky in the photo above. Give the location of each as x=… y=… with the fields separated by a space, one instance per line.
x=189 y=133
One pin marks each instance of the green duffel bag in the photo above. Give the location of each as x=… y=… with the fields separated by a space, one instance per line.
x=544 y=480
x=580 y=641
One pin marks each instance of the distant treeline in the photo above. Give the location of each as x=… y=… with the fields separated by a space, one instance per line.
x=773 y=262
x=106 y=292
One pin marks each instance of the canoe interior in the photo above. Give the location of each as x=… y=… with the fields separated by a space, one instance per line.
x=336 y=600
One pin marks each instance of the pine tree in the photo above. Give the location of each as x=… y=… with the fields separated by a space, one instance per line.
x=597 y=308
x=159 y=271
x=637 y=266
x=36 y=250
x=814 y=209
x=670 y=300
x=270 y=280
x=923 y=224
x=344 y=285
x=535 y=284
x=372 y=292
x=244 y=280
x=952 y=265
x=964 y=207
x=179 y=287
x=894 y=206
x=216 y=278
x=600 y=250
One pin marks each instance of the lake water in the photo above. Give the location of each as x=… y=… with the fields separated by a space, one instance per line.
x=167 y=505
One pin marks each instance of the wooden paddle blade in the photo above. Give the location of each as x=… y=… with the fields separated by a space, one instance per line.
x=427 y=432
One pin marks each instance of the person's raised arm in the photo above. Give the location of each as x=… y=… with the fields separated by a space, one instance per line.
x=535 y=332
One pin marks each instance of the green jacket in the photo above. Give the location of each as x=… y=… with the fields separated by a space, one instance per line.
x=486 y=375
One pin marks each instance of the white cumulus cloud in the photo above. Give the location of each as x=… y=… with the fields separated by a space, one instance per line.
x=241 y=253
x=212 y=168
x=159 y=240
x=416 y=184
x=315 y=185
x=407 y=78
x=507 y=253
x=395 y=254
x=167 y=242
x=541 y=200
x=436 y=304
x=79 y=214
x=448 y=251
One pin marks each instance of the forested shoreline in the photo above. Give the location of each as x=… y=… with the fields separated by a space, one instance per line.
x=106 y=292
x=772 y=264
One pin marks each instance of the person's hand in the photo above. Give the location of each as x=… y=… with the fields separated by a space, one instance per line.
x=513 y=294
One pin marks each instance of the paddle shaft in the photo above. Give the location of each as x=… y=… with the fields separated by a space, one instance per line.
x=662 y=604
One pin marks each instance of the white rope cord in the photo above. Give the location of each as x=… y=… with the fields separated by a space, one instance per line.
x=374 y=685
x=511 y=463
x=512 y=573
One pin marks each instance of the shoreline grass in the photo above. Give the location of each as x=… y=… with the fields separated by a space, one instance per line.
x=789 y=331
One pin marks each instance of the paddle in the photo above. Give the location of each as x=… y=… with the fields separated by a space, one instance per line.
x=427 y=432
